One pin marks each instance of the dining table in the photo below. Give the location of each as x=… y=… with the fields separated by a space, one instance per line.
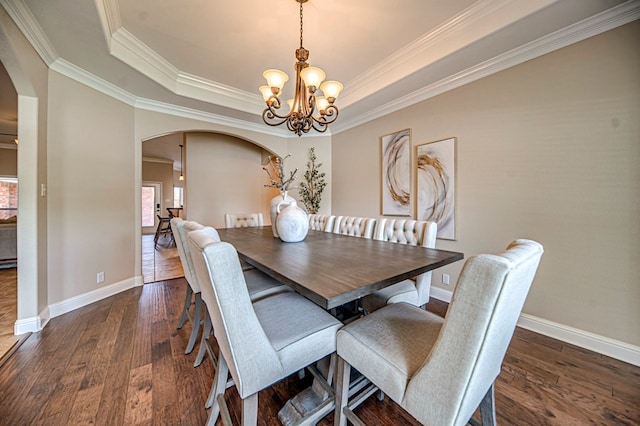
x=333 y=269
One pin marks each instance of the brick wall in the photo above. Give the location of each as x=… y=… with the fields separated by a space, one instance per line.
x=8 y=199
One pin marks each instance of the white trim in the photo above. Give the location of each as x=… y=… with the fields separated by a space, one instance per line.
x=584 y=339
x=8 y=145
x=594 y=342
x=24 y=19
x=157 y=160
x=441 y=294
x=85 y=299
x=33 y=324
x=82 y=76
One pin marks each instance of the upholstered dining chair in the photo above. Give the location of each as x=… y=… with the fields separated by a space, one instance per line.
x=354 y=226
x=180 y=228
x=402 y=231
x=321 y=222
x=441 y=370
x=262 y=342
x=258 y=284
x=243 y=220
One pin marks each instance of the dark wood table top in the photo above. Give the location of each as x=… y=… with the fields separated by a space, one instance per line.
x=332 y=269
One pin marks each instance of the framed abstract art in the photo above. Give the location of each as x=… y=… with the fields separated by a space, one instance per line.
x=436 y=184
x=396 y=173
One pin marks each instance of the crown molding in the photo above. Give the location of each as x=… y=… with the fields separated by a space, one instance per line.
x=157 y=160
x=29 y=26
x=8 y=145
x=180 y=111
x=477 y=21
x=82 y=76
x=109 y=15
x=135 y=53
x=197 y=87
x=597 y=24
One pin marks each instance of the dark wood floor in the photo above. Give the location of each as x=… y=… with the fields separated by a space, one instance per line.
x=120 y=361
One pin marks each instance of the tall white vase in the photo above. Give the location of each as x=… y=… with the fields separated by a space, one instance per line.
x=273 y=209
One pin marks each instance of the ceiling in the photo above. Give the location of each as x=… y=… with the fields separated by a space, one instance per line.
x=206 y=57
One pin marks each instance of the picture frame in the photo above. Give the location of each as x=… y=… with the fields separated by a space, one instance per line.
x=395 y=182
x=436 y=185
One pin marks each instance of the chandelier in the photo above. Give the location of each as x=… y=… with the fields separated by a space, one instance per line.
x=306 y=110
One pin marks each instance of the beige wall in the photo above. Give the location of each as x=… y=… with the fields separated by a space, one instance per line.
x=223 y=175
x=548 y=150
x=8 y=162
x=91 y=192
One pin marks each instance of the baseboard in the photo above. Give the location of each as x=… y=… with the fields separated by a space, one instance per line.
x=33 y=324
x=441 y=294
x=593 y=342
x=76 y=302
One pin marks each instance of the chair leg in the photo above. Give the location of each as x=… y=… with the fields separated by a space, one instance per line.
x=187 y=305
x=250 y=410
x=218 y=387
x=204 y=340
x=488 y=408
x=343 y=372
x=197 y=319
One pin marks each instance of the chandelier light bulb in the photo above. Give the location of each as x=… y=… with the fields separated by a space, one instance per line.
x=322 y=104
x=312 y=76
x=275 y=78
x=331 y=89
x=266 y=92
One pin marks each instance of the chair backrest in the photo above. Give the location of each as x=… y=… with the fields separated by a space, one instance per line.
x=243 y=220
x=411 y=232
x=179 y=234
x=180 y=229
x=321 y=222
x=251 y=358
x=354 y=226
x=477 y=329
x=195 y=240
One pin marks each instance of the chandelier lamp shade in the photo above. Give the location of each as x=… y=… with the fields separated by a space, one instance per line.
x=308 y=109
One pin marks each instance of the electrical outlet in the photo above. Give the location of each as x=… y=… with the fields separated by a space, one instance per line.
x=445 y=279
x=100 y=277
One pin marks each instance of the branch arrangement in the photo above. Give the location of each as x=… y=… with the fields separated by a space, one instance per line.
x=313 y=185
x=277 y=175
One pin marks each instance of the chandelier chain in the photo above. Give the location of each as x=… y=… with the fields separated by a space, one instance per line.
x=300 y=25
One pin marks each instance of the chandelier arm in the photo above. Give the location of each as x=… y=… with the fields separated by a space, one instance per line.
x=272 y=118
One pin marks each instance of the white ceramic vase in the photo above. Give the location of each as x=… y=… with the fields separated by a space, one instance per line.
x=273 y=206
x=292 y=222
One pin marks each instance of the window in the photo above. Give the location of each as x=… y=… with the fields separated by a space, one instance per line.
x=8 y=197
x=177 y=196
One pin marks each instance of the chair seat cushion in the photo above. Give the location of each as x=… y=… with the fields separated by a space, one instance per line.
x=261 y=285
x=383 y=345
x=404 y=291
x=300 y=331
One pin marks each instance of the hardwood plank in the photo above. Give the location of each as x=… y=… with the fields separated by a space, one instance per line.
x=139 y=410
x=84 y=369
